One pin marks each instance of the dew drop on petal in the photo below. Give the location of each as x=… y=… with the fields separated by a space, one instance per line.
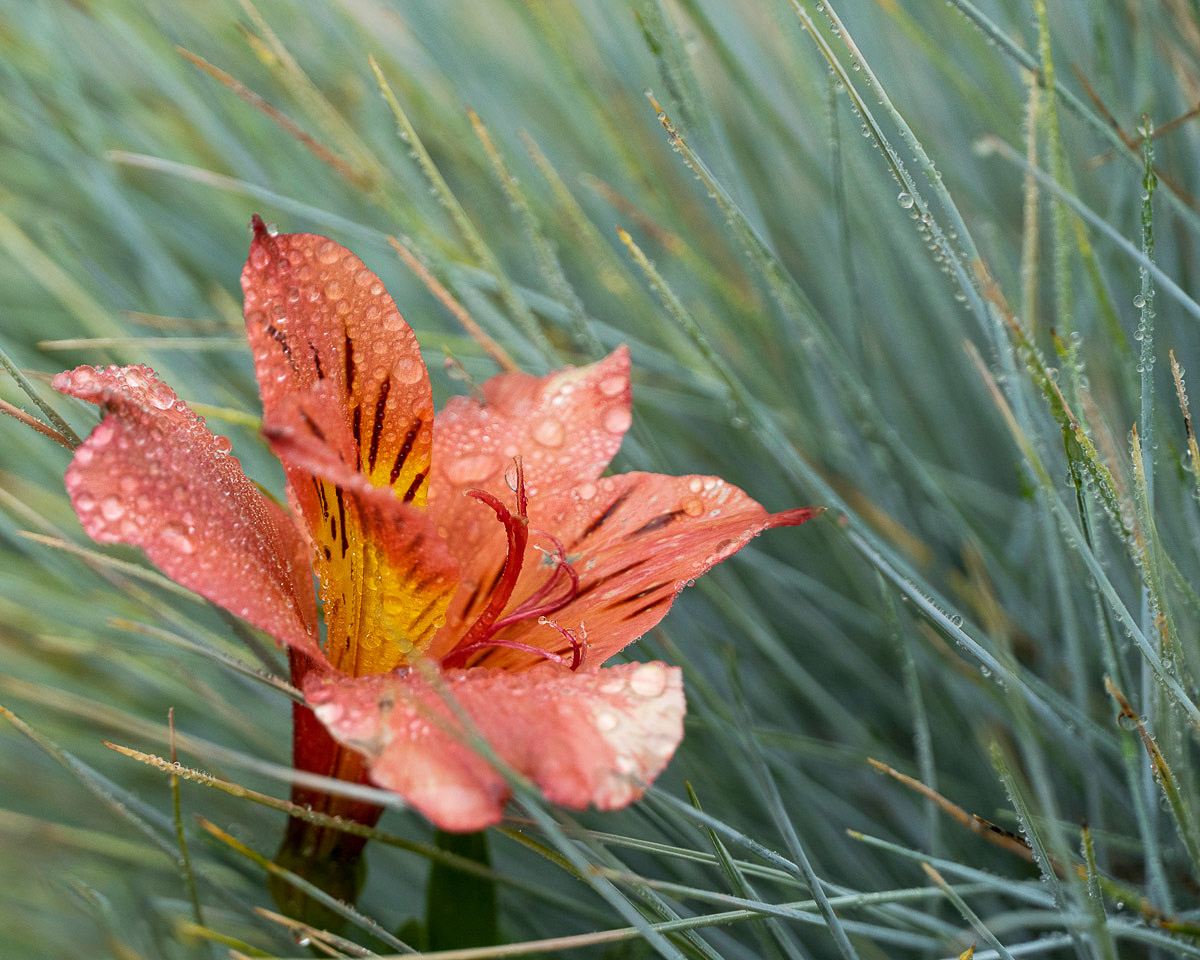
x=177 y=538
x=617 y=420
x=585 y=491
x=649 y=680
x=611 y=386
x=327 y=252
x=550 y=432
x=408 y=370
x=101 y=436
x=471 y=469
x=607 y=721
x=693 y=506
x=111 y=508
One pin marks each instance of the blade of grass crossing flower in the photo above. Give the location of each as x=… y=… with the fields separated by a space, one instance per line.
x=778 y=943
x=516 y=304
x=360 y=920
x=967 y=913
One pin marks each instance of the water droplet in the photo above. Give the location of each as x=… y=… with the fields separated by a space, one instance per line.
x=606 y=722
x=408 y=370
x=649 y=680
x=693 y=506
x=102 y=435
x=617 y=420
x=162 y=397
x=327 y=252
x=334 y=290
x=550 y=432
x=1139 y=301
x=585 y=491
x=905 y=200
x=471 y=469
x=222 y=444
x=176 y=537
x=111 y=508
x=611 y=386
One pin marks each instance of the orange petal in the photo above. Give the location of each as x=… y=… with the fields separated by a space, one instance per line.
x=565 y=427
x=596 y=737
x=386 y=577
x=152 y=475
x=315 y=315
x=635 y=541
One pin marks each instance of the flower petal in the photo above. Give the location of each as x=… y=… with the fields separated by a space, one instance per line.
x=152 y=475
x=386 y=577
x=595 y=737
x=635 y=542
x=565 y=427
x=315 y=315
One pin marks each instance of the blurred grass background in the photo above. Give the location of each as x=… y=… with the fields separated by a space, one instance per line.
x=842 y=285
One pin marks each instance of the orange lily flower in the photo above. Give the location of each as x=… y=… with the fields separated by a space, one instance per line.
x=485 y=546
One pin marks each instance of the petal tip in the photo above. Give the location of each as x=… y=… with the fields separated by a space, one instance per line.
x=794 y=517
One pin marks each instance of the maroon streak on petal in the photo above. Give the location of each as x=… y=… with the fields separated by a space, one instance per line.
x=386 y=577
x=595 y=737
x=635 y=541
x=152 y=475
x=315 y=315
x=565 y=427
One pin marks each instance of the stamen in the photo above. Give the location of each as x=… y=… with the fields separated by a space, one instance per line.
x=482 y=633
x=536 y=605
x=578 y=647
x=517 y=529
x=459 y=656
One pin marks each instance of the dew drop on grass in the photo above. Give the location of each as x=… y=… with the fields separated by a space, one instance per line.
x=905 y=200
x=1139 y=301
